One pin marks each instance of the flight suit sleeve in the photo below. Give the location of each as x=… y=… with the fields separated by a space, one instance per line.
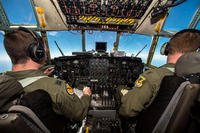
x=141 y=95
x=69 y=104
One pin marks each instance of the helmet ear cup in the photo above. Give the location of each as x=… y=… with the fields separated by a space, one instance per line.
x=164 y=50
x=36 y=49
x=36 y=53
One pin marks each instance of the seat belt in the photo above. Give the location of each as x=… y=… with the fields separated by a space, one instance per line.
x=161 y=125
x=27 y=81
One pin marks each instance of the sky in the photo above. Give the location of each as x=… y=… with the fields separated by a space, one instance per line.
x=19 y=11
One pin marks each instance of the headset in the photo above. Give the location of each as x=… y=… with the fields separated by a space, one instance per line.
x=164 y=50
x=36 y=49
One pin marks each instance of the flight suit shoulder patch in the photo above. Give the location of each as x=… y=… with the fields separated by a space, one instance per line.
x=124 y=91
x=139 y=81
x=69 y=89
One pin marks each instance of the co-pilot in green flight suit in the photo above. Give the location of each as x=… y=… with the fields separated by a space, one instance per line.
x=64 y=100
x=145 y=90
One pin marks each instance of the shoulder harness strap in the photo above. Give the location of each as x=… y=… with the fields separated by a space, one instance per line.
x=170 y=69
x=27 y=81
x=161 y=125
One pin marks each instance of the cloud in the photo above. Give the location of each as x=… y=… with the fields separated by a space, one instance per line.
x=159 y=57
x=58 y=54
x=4 y=57
x=2 y=32
x=156 y=58
x=30 y=17
x=53 y=33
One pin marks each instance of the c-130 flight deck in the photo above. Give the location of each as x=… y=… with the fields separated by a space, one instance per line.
x=105 y=73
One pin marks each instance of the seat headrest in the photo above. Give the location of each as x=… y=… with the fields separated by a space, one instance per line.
x=188 y=63
x=9 y=88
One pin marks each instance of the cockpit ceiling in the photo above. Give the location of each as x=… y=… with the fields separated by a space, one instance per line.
x=134 y=16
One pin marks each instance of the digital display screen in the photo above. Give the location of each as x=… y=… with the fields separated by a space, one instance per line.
x=101 y=46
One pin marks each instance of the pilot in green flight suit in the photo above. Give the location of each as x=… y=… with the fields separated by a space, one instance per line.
x=139 y=97
x=28 y=54
x=64 y=100
x=143 y=93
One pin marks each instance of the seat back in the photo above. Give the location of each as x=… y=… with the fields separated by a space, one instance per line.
x=150 y=116
x=16 y=118
x=194 y=126
x=14 y=123
x=37 y=102
x=180 y=119
x=187 y=66
x=20 y=119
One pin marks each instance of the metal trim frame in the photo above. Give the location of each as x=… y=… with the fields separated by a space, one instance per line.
x=4 y=22
x=195 y=19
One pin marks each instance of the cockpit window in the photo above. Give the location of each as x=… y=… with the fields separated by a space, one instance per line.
x=159 y=59
x=180 y=16
x=133 y=43
x=68 y=42
x=100 y=36
x=198 y=26
x=5 y=63
x=16 y=14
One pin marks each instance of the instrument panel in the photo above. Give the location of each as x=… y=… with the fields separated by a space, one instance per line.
x=104 y=74
x=103 y=71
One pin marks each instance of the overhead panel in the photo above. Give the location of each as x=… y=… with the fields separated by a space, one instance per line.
x=133 y=16
x=103 y=14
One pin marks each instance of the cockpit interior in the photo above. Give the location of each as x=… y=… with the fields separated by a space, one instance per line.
x=101 y=58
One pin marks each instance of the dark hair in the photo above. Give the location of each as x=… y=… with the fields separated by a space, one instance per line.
x=17 y=44
x=184 y=41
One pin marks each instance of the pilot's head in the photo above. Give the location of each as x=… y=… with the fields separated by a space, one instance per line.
x=184 y=41
x=23 y=44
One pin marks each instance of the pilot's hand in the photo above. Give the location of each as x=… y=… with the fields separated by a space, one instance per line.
x=49 y=71
x=87 y=91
